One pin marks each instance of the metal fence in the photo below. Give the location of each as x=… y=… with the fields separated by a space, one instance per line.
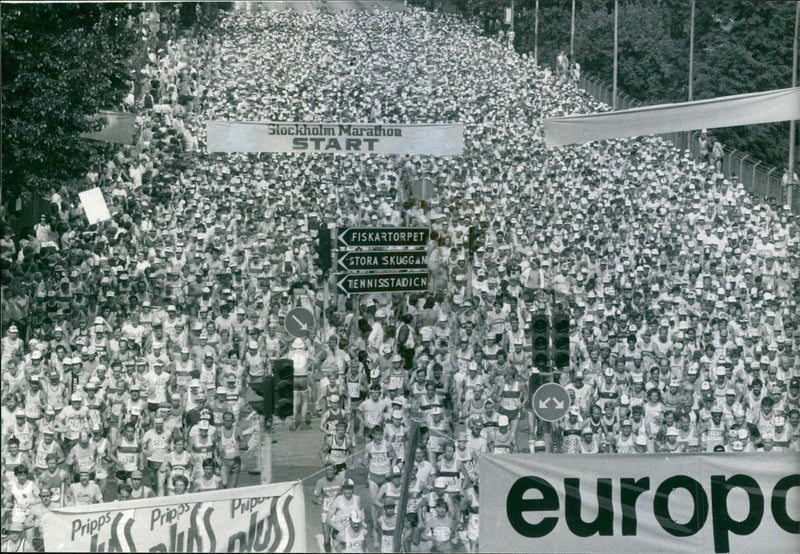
x=758 y=178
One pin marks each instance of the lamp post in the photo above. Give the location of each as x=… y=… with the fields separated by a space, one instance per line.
x=691 y=53
x=616 y=23
x=793 y=123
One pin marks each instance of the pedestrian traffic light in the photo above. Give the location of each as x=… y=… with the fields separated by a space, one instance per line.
x=540 y=327
x=561 y=340
x=283 y=371
x=324 y=248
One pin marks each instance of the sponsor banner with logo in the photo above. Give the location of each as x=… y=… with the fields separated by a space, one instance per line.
x=267 y=518
x=335 y=138
x=742 y=502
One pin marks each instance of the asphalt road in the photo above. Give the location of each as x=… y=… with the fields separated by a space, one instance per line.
x=296 y=456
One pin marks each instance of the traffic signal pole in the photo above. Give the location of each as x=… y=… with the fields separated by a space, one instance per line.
x=265 y=427
x=407 y=470
x=266 y=451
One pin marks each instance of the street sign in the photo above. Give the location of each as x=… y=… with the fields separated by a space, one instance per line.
x=361 y=283
x=299 y=323
x=376 y=260
x=551 y=402
x=383 y=236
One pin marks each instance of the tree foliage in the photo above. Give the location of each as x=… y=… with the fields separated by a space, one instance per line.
x=742 y=46
x=60 y=64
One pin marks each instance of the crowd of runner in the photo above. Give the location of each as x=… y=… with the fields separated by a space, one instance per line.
x=128 y=346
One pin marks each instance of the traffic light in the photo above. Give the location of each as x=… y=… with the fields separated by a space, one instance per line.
x=324 y=248
x=283 y=371
x=474 y=239
x=261 y=395
x=561 y=340
x=540 y=327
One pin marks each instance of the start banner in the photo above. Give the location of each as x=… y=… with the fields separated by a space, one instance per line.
x=640 y=503
x=267 y=518
x=335 y=138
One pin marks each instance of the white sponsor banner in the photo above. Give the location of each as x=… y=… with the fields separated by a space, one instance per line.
x=94 y=204
x=267 y=518
x=712 y=113
x=335 y=138
x=640 y=503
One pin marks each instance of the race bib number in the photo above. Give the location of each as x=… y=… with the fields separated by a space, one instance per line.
x=41 y=459
x=441 y=534
x=128 y=461
x=85 y=464
x=380 y=458
x=353 y=390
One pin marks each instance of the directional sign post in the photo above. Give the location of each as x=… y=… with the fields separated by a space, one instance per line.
x=383 y=236
x=376 y=260
x=363 y=283
x=299 y=323
x=551 y=402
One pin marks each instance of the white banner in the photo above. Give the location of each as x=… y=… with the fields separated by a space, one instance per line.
x=725 y=111
x=94 y=205
x=720 y=502
x=335 y=138
x=120 y=128
x=267 y=518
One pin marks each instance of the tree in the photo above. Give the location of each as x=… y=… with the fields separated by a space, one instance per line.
x=61 y=63
x=740 y=47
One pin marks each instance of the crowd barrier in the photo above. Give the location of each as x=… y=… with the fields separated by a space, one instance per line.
x=758 y=178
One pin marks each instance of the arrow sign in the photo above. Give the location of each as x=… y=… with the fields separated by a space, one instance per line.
x=551 y=402
x=383 y=236
x=383 y=260
x=299 y=323
x=362 y=283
